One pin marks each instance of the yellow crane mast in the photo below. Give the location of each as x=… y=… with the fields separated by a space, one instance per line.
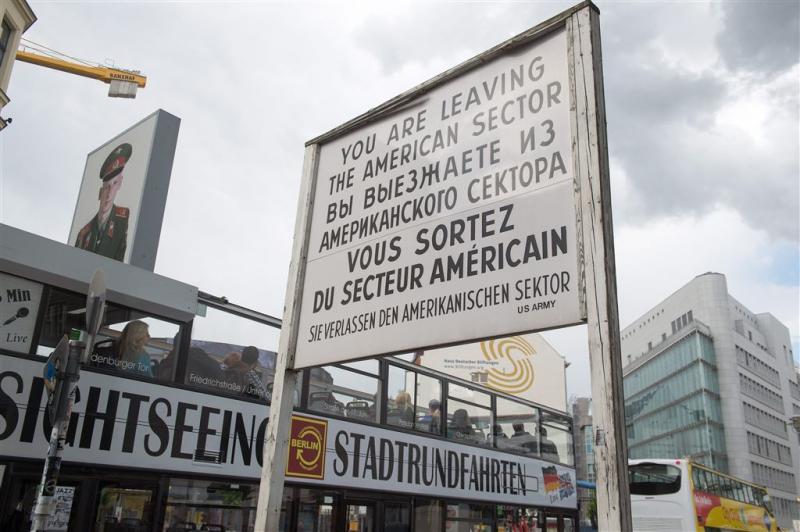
x=122 y=83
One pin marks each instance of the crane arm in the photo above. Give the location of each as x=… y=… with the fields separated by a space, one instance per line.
x=104 y=74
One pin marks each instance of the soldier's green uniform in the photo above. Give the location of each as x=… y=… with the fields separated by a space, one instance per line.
x=110 y=240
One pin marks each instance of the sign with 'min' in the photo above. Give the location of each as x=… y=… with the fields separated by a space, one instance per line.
x=450 y=220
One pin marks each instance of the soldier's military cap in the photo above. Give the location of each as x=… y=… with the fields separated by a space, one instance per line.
x=115 y=161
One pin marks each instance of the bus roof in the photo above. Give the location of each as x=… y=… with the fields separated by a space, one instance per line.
x=689 y=462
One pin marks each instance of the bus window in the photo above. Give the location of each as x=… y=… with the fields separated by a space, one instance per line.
x=654 y=479
x=698 y=479
x=748 y=494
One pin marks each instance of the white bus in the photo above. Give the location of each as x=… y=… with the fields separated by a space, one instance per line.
x=680 y=495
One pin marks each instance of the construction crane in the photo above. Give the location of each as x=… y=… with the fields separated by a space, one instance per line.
x=122 y=83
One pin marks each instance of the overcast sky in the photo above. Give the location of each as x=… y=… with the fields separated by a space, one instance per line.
x=703 y=127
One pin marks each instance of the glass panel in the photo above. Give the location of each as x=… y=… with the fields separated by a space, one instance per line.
x=397 y=517
x=212 y=506
x=342 y=392
x=555 y=442
x=468 y=394
x=515 y=427
x=429 y=404
x=124 y=509
x=513 y=518
x=232 y=354
x=368 y=366
x=141 y=346
x=129 y=341
x=360 y=518
x=316 y=512
x=654 y=479
x=428 y=515
x=468 y=423
x=470 y=511
x=400 y=395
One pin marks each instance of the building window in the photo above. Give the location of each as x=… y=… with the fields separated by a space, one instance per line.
x=5 y=38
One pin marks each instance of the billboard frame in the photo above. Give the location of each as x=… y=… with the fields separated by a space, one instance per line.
x=596 y=272
x=143 y=239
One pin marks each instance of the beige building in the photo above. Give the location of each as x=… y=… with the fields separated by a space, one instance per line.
x=16 y=16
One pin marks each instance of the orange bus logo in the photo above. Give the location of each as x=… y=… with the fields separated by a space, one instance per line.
x=307 y=438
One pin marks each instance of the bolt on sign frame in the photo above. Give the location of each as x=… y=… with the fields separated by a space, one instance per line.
x=475 y=205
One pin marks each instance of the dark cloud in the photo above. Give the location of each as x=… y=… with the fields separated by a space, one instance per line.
x=760 y=37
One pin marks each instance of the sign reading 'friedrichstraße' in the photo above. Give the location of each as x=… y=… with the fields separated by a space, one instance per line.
x=451 y=219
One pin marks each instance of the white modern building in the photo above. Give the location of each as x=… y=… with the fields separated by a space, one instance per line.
x=707 y=378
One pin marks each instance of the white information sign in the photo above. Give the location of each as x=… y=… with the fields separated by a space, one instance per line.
x=19 y=303
x=450 y=220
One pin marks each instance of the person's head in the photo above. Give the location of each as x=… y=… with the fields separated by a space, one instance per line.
x=250 y=356
x=403 y=399
x=543 y=432
x=108 y=192
x=518 y=427
x=461 y=418
x=434 y=405
x=133 y=339
x=111 y=175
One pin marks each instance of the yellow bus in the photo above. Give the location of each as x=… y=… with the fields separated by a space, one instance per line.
x=683 y=495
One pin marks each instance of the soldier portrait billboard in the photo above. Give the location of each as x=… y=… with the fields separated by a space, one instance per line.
x=123 y=192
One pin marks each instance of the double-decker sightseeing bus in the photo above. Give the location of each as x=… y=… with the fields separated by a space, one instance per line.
x=683 y=495
x=169 y=437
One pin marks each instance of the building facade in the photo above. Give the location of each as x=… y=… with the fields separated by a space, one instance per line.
x=707 y=379
x=584 y=454
x=16 y=16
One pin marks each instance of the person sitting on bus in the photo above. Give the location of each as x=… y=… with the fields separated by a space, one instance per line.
x=548 y=448
x=461 y=426
x=404 y=413
x=435 y=424
x=522 y=440
x=132 y=355
x=500 y=437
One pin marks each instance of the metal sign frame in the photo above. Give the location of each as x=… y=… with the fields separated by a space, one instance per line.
x=597 y=274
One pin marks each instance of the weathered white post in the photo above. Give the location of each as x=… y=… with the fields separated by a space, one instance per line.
x=276 y=442
x=591 y=159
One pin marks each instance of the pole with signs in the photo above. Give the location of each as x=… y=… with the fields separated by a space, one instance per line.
x=61 y=372
x=589 y=140
x=474 y=206
x=276 y=440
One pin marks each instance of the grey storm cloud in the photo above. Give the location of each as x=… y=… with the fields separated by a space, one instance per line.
x=761 y=37
x=662 y=117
